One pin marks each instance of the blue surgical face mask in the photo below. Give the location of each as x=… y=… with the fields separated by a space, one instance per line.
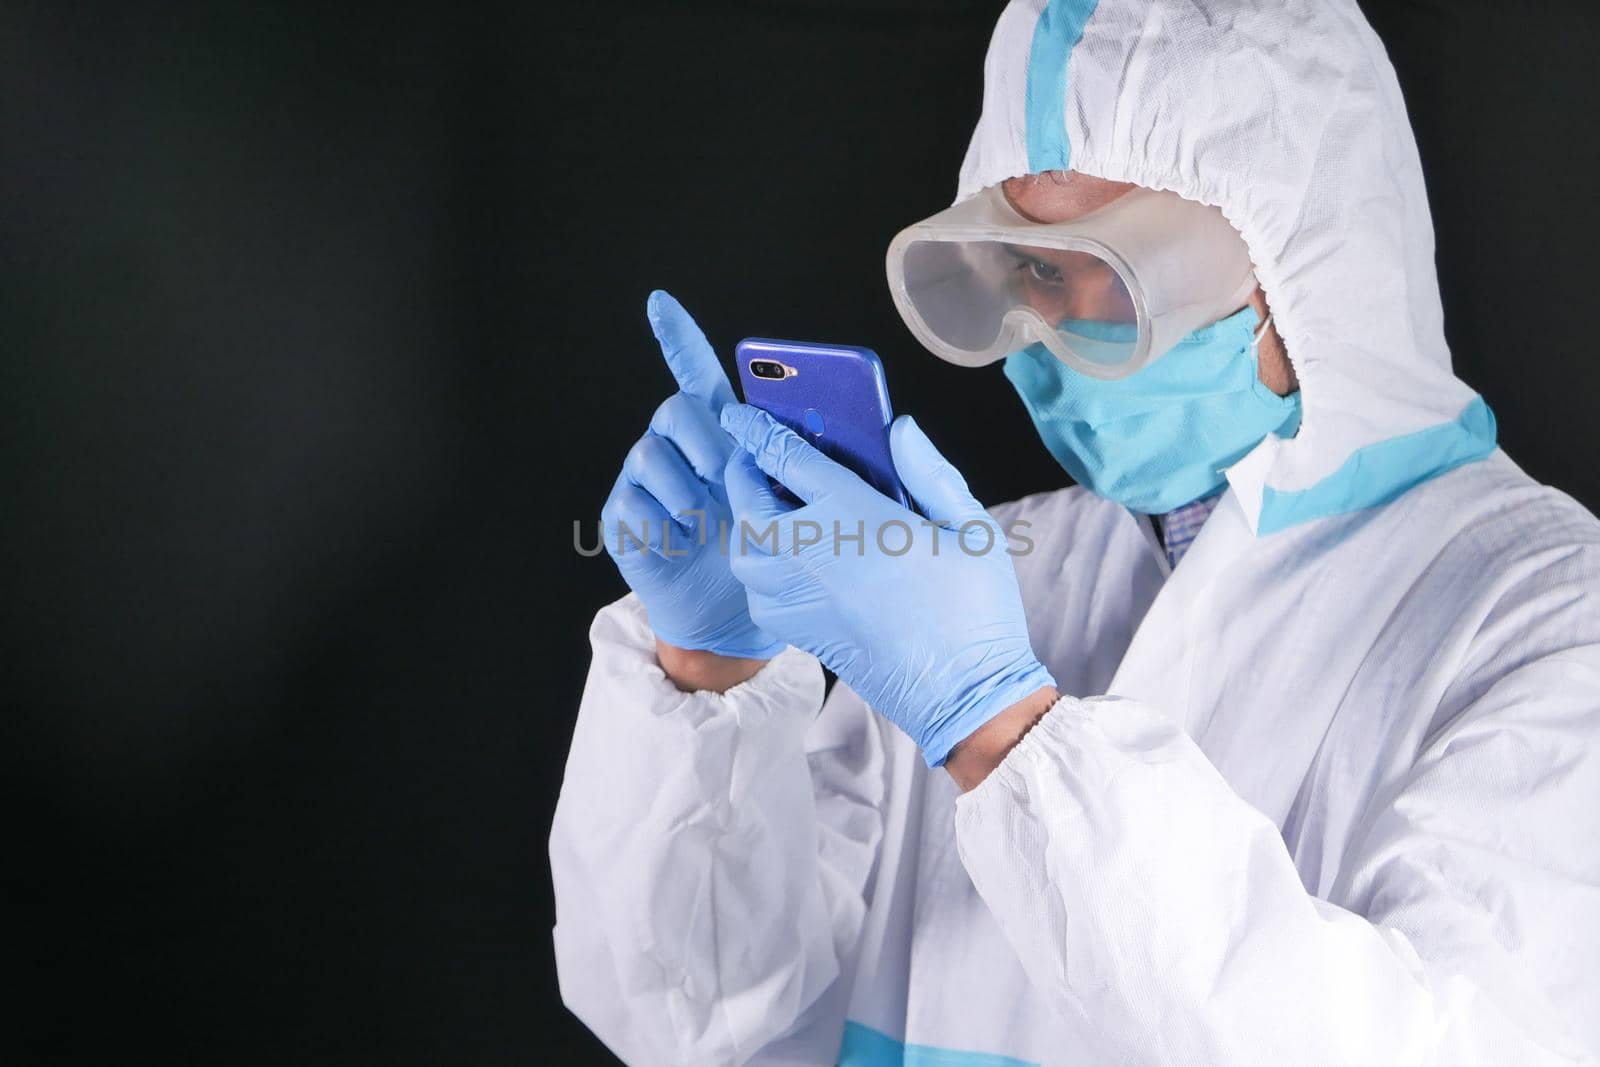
x=1161 y=437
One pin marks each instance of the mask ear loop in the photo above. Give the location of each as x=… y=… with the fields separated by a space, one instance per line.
x=1255 y=339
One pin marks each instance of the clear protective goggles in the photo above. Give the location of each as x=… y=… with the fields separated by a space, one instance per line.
x=1107 y=293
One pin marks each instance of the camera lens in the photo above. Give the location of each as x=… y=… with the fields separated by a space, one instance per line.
x=763 y=368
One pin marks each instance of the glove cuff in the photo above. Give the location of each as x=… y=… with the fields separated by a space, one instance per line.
x=981 y=706
x=739 y=639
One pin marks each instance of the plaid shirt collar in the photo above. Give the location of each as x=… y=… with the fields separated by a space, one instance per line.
x=1181 y=526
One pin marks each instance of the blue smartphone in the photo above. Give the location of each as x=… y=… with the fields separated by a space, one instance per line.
x=835 y=396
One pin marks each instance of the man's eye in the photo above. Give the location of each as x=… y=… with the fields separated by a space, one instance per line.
x=1043 y=272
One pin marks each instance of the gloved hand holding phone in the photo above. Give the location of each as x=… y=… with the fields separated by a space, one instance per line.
x=923 y=619
x=668 y=508
x=932 y=637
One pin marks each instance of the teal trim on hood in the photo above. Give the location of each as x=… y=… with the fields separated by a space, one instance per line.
x=1381 y=472
x=1057 y=32
x=865 y=1047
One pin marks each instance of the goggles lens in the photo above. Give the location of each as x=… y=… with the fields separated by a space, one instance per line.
x=970 y=294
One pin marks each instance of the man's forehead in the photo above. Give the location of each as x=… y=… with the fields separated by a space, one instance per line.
x=1060 y=195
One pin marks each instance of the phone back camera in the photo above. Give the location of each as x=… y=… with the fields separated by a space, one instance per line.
x=765 y=368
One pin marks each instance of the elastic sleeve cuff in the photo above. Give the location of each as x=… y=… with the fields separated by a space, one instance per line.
x=1079 y=746
x=621 y=634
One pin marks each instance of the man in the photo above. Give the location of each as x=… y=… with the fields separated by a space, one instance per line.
x=1317 y=785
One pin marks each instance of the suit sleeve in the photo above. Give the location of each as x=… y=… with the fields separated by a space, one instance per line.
x=709 y=852
x=1161 y=911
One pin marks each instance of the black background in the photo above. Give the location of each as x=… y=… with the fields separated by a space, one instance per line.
x=320 y=327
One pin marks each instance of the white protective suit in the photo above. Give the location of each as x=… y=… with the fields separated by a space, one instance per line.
x=1329 y=792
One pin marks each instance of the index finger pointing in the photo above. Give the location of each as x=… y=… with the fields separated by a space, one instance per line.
x=689 y=355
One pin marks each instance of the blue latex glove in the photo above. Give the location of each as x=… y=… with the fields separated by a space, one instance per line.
x=933 y=636
x=666 y=513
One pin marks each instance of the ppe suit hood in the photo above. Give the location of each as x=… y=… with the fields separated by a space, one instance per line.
x=1286 y=115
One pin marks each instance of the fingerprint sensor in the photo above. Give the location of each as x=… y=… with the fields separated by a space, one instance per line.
x=811 y=419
